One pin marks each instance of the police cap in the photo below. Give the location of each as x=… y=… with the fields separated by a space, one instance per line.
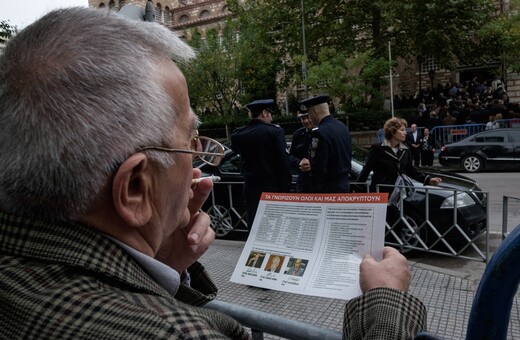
x=307 y=103
x=303 y=113
x=260 y=105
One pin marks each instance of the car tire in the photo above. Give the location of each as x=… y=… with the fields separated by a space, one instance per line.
x=409 y=233
x=221 y=221
x=472 y=163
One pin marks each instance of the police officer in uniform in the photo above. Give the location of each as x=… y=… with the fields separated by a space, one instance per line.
x=264 y=161
x=299 y=152
x=330 y=150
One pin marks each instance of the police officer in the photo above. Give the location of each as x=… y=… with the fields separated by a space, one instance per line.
x=299 y=151
x=331 y=148
x=264 y=161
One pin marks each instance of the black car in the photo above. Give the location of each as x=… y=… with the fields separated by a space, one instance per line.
x=491 y=149
x=418 y=226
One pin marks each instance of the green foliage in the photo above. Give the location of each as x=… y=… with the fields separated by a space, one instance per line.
x=213 y=77
x=351 y=79
x=6 y=31
x=338 y=33
x=501 y=38
x=443 y=29
x=234 y=66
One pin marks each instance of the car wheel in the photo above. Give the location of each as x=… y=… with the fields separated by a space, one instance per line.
x=472 y=163
x=410 y=230
x=221 y=221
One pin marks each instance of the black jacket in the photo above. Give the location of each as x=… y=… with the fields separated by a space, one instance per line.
x=330 y=156
x=263 y=154
x=386 y=166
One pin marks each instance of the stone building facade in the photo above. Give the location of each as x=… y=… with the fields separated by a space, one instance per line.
x=179 y=15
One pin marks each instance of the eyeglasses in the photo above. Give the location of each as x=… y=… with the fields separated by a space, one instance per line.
x=208 y=150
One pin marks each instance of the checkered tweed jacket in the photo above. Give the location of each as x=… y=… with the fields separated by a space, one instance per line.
x=67 y=281
x=384 y=313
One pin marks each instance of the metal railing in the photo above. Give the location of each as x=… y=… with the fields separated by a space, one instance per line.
x=406 y=233
x=506 y=202
x=412 y=232
x=447 y=134
x=261 y=322
x=225 y=217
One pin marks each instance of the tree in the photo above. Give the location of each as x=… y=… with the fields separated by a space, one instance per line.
x=349 y=78
x=213 y=77
x=501 y=38
x=6 y=31
x=443 y=29
x=233 y=67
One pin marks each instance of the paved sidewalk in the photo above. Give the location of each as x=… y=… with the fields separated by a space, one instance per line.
x=447 y=295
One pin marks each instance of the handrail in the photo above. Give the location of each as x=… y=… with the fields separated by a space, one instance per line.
x=261 y=322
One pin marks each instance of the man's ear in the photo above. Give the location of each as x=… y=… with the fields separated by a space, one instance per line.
x=131 y=190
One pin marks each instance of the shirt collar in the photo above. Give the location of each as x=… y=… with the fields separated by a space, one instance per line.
x=165 y=276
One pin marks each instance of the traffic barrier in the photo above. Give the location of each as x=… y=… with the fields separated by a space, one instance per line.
x=447 y=134
x=406 y=233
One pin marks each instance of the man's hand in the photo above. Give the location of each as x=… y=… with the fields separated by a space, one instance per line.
x=305 y=165
x=391 y=272
x=186 y=245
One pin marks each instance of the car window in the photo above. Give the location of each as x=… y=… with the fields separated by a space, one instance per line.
x=492 y=137
x=231 y=164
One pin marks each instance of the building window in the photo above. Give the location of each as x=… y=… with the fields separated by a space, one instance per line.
x=159 y=13
x=204 y=14
x=428 y=64
x=121 y=3
x=101 y=5
x=167 y=15
x=112 y=5
x=184 y=19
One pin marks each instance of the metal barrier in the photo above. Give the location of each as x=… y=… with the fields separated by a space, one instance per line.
x=406 y=233
x=225 y=217
x=260 y=322
x=413 y=232
x=447 y=134
x=505 y=213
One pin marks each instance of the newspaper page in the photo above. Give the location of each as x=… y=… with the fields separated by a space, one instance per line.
x=312 y=244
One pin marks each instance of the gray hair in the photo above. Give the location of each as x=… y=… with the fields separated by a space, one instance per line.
x=80 y=92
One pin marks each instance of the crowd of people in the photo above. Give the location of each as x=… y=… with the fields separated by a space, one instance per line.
x=471 y=102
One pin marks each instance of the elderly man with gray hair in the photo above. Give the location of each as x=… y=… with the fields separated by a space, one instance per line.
x=100 y=224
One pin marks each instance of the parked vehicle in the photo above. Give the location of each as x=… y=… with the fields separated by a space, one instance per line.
x=491 y=149
x=227 y=211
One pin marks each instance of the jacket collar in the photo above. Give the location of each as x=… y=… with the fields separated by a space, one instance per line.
x=401 y=146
